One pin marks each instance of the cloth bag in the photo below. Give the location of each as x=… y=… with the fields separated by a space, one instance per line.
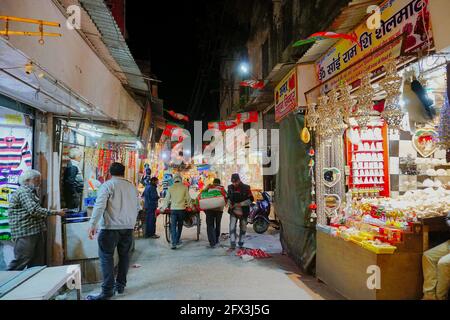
x=211 y=199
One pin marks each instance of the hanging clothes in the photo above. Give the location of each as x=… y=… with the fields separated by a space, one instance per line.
x=14 y=151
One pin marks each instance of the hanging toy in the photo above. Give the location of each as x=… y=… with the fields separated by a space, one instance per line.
x=313 y=208
x=305 y=136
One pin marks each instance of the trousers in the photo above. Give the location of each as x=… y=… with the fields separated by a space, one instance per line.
x=108 y=241
x=213 y=224
x=233 y=229
x=176 y=225
x=28 y=252
x=436 y=272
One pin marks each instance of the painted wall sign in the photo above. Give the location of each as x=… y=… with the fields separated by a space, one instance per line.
x=286 y=94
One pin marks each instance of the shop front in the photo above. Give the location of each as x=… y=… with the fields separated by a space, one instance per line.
x=16 y=156
x=86 y=152
x=382 y=170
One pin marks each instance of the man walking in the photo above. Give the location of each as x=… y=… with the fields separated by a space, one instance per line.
x=116 y=210
x=239 y=199
x=151 y=198
x=178 y=198
x=28 y=223
x=214 y=217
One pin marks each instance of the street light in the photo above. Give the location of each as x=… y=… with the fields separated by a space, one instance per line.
x=244 y=68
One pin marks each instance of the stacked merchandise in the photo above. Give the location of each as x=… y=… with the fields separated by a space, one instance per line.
x=379 y=224
x=15 y=157
x=367 y=155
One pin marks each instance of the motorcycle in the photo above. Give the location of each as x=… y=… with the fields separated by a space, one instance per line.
x=259 y=213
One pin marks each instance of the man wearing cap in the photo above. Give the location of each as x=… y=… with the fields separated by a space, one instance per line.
x=178 y=198
x=239 y=199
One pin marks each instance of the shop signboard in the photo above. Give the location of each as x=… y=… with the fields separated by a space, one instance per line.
x=408 y=19
x=351 y=76
x=286 y=94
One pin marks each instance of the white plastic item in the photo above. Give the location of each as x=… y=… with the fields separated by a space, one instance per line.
x=211 y=203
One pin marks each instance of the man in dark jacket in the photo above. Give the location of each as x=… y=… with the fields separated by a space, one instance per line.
x=151 y=198
x=239 y=199
x=73 y=180
x=436 y=270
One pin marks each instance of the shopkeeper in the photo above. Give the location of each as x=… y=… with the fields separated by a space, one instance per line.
x=436 y=270
x=28 y=223
x=73 y=180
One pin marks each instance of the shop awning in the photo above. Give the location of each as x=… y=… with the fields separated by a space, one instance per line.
x=112 y=37
x=350 y=17
x=38 y=88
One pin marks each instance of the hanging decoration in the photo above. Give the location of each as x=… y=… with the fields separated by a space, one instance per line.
x=172 y=129
x=254 y=84
x=312 y=117
x=425 y=141
x=40 y=33
x=392 y=83
x=365 y=102
x=346 y=102
x=331 y=177
x=327 y=35
x=313 y=205
x=223 y=125
x=324 y=126
x=444 y=125
x=247 y=117
x=305 y=135
x=337 y=125
x=178 y=116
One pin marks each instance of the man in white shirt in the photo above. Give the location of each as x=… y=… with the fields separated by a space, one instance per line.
x=116 y=209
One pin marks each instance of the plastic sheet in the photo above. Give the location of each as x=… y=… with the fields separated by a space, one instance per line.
x=293 y=194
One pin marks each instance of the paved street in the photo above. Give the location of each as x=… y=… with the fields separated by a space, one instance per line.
x=197 y=273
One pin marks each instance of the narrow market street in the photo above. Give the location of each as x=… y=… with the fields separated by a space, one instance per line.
x=194 y=272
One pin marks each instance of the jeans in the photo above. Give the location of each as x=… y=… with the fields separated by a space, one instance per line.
x=213 y=220
x=176 y=225
x=436 y=272
x=108 y=241
x=242 y=229
x=150 y=222
x=28 y=252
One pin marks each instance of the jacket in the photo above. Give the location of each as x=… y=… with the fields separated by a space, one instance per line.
x=151 y=196
x=72 y=185
x=242 y=195
x=177 y=197
x=117 y=205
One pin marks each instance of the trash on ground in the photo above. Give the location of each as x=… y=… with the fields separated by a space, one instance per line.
x=256 y=253
x=247 y=258
x=137 y=266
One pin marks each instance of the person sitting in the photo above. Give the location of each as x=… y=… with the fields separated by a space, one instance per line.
x=178 y=198
x=436 y=271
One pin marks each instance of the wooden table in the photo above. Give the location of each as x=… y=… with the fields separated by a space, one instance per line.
x=345 y=266
x=45 y=284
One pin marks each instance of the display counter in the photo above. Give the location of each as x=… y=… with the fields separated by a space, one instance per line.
x=344 y=265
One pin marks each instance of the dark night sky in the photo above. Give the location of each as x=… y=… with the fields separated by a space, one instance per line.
x=170 y=35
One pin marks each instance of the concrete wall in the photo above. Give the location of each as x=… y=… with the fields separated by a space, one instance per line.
x=71 y=60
